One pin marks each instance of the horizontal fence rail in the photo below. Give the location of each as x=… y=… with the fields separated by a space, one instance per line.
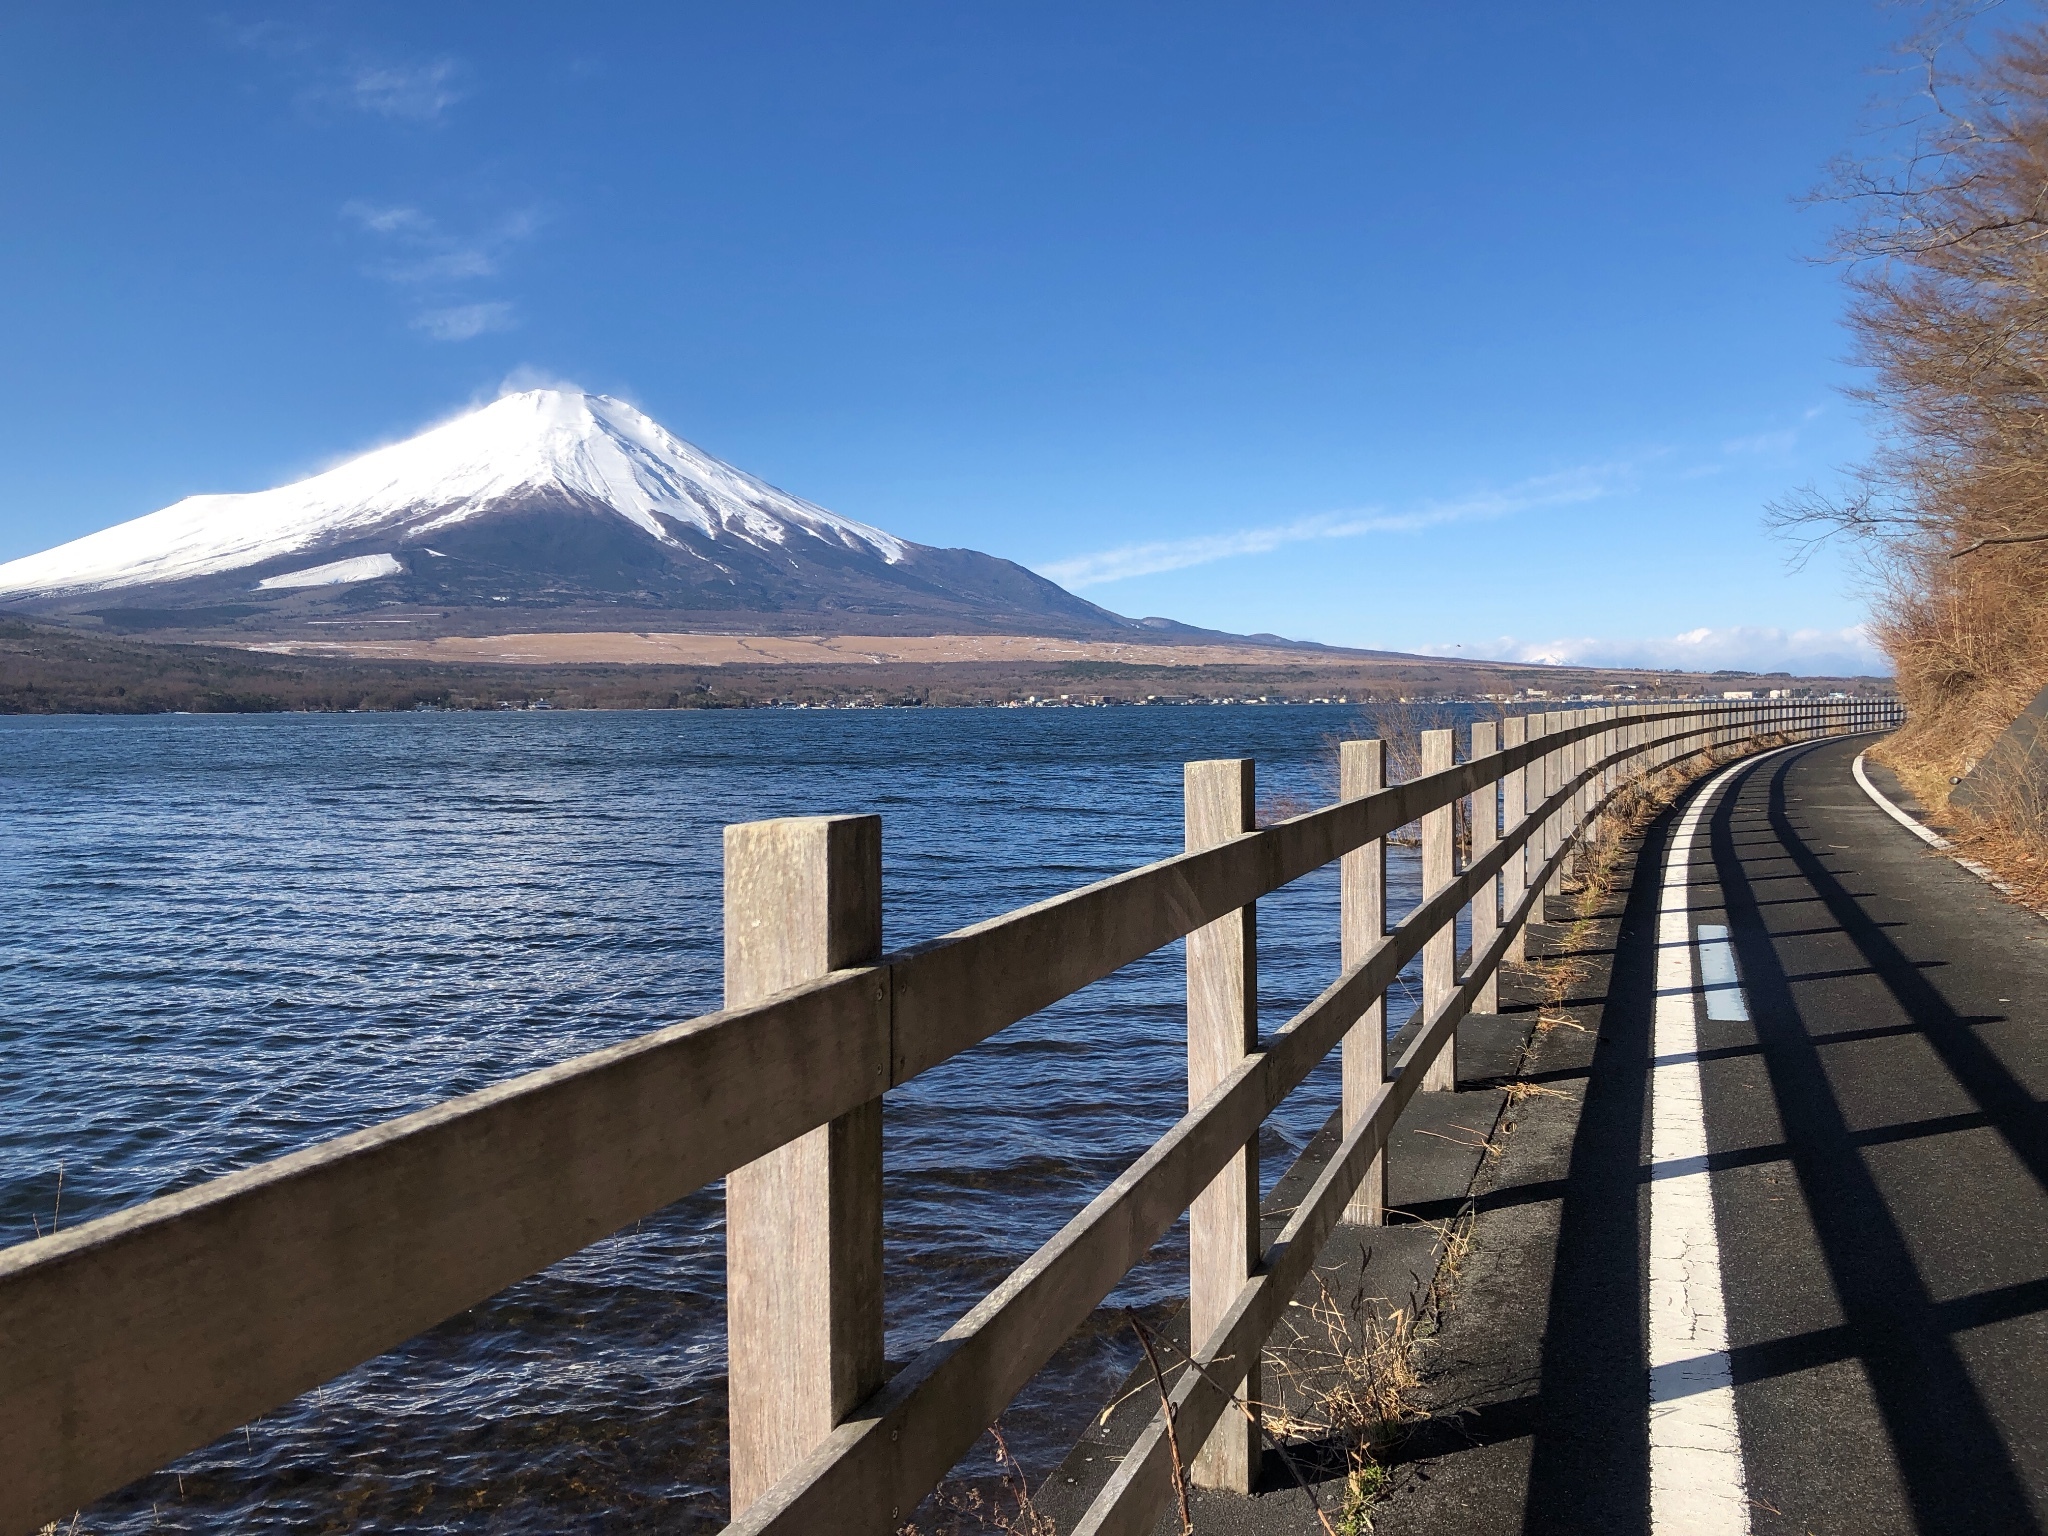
x=132 y=1339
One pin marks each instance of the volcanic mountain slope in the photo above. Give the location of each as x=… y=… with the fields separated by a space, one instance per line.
x=548 y=509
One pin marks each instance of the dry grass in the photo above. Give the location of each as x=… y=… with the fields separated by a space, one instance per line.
x=1400 y=725
x=1456 y=1236
x=1343 y=1383
x=1007 y=1507
x=1970 y=642
x=1518 y=1091
x=2005 y=827
x=1349 y=1373
x=2005 y=830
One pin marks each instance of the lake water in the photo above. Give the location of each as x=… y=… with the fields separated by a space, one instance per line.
x=226 y=937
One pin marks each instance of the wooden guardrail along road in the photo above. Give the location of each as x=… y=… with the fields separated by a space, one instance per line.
x=130 y=1340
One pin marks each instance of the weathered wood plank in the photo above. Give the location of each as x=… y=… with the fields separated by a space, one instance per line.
x=803 y=1223
x=1514 y=731
x=1362 y=920
x=133 y=1339
x=1439 y=871
x=1138 y=1491
x=1485 y=833
x=1221 y=802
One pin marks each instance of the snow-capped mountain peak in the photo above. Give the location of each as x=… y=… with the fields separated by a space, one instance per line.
x=591 y=450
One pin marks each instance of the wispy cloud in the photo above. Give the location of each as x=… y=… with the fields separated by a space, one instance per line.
x=460 y=322
x=387 y=221
x=1844 y=652
x=423 y=255
x=1588 y=483
x=330 y=74
x=428 y=253
x=1781 y=440
x=526 y=376
x=1762 y=442
x=412 y=92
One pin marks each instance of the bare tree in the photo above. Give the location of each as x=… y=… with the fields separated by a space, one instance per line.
x=1945 y=243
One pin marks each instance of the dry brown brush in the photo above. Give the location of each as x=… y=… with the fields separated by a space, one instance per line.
x=1945 y=244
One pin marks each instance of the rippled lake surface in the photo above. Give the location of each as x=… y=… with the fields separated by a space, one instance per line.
x=226 y=937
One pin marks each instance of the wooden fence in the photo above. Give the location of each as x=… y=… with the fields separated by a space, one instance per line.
x=133 y=1339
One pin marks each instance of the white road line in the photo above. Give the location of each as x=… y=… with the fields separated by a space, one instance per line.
x=1926 y=835
x=1697 y=1485
x=1932 y=838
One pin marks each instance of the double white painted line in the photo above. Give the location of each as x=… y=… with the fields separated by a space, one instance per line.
x=1697 y=1486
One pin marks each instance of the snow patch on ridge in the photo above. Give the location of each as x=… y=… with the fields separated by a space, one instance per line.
x=335 y=573
x=536 y=441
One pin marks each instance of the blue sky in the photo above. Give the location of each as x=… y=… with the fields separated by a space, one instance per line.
x=1464 y=325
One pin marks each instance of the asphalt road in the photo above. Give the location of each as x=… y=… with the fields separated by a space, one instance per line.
x=1877 y=1161
x=1879 y=1153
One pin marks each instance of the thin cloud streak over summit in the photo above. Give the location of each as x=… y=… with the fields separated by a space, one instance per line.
x=437 y=263
x=1131 y=560
x=432 y=254
x=461 y=322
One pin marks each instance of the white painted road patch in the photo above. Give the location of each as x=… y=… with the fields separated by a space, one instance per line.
x=1718 y=981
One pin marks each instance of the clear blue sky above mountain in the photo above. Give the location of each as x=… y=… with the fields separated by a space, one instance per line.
x=1479 y=325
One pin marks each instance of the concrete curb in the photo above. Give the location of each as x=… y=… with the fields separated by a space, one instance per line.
x=1934 y=839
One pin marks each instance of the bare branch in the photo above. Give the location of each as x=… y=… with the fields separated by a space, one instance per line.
x=2017 y=538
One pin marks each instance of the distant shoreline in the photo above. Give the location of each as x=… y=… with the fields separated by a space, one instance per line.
x=46 y=670
x=699 y=649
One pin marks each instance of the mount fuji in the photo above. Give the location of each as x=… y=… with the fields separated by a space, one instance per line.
x=548 y=509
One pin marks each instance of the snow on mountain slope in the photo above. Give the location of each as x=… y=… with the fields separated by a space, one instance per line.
x=599 y=450
x=336 y=573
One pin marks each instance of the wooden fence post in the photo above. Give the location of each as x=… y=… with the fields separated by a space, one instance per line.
x=1514 y=731
x=1535 y=789
x=1223 y=1028
x=1440 y=949
x=1582 y=802
x=1362 y=904
x=1557 y=830
x=803 y=897
x=1582 y=798
x=1485 y=834
x=1561 y=833
x=1589 y=792
x=1582 y=754
x=1611 y=741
